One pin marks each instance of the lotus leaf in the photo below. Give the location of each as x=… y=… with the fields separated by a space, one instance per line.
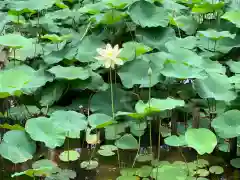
x=17 y=147
x=196 y=138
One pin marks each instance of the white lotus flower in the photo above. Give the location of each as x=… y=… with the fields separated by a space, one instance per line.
x=109 y=56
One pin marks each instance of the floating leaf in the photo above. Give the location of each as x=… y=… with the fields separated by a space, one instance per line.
x=89 y=165
x=127 y=141
x=17 y=147
x=70 y=155
x=216 y=170
x=147 y=14
x=202 y=172
x=235 y=163
x=196 y=138
x=144 y=171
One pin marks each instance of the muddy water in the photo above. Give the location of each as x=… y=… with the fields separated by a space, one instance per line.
x=108 y=166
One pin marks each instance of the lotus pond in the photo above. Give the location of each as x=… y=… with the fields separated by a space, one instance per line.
x=120 y=89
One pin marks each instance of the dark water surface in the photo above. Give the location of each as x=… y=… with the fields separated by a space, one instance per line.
x=108 y=166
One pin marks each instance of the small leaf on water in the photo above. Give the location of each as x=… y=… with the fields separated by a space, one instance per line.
x=89 y=165
x=235 y=163
x=70 y=155
x=216 y=170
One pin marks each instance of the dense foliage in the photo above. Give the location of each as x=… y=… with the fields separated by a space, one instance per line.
x=177 y=76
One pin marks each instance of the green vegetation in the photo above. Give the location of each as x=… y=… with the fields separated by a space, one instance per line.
x=120 y=75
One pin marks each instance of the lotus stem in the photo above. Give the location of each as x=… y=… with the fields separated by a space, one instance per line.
x=159 y=138
x=149 y=105
x=139 y=142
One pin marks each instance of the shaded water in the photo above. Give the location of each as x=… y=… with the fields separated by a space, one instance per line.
x=108 y=166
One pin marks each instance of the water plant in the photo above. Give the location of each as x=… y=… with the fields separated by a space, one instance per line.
x=120 y=76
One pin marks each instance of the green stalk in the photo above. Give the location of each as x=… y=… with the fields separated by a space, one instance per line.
x=113 y=114
x=159 y=138
x=149 y=105
x=111 y=87
x=139 y=142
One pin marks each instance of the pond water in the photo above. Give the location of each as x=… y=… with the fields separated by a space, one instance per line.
x=108 y=168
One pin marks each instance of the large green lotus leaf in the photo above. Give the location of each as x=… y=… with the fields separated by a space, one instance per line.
x=54 y=57
x=21 y=79
x=172 y=4
x=213 y=66
x=69 y=121
x=95 y=82
x=98 y=120
x=173 y=172
x=52 y=93
x=155 y=37
x=223 y=45
x=234 y=66
x=42 y=129
x=182 y=71
x=93 y=8
x=227 y=125
x=159 y=104
x=186 y=23
x=70 y=72
x=60 y=14
x=119 y=4
x=127 y=141
x=207 y=7
x=23 y=112
x=136 y=72
x=175 y=140
x=137 y=128
x=31 y=5
x=14 y=41
x=17 y=147
x=196 y=138
x=146 y=14
x=216 y=35
x=101 y=101
x=87 y=48
x=154 y=106
x=185 y=56
x=232 y=16
x=216 y=86
x=132 y=49
x=110 y=17
x=112 y=131
x=62 y=174
x=188 y=42
x=55 y=38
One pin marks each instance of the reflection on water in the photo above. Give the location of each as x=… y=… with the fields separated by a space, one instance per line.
x=108 y=166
